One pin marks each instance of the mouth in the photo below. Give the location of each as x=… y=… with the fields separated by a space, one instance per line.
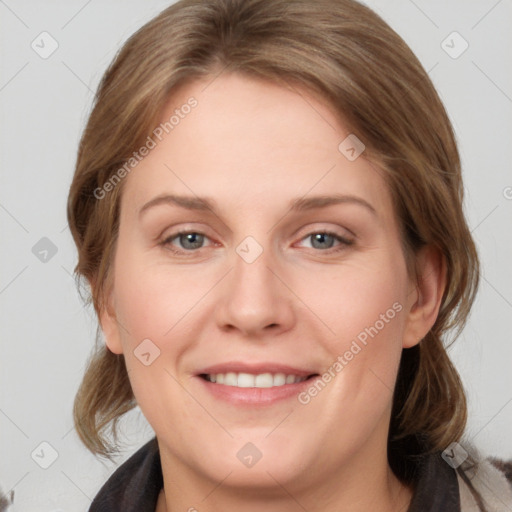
x=260 y=380
x=261 y=384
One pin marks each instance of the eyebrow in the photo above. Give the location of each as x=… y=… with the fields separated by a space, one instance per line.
x=297 y=205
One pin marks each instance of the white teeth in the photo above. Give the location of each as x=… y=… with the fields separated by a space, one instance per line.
x=230 y=379
x=248 y=380
x=280 y=379
x=263 y=380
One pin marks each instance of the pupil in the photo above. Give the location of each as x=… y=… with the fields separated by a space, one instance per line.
x=320 y=237
x=191 y=237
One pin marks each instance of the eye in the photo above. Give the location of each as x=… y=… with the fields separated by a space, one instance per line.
x=188 y=240
x=325 y=240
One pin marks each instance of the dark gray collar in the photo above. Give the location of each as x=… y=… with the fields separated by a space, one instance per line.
x=437 y=488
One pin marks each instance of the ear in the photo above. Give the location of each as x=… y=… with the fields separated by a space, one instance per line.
x=108 y=321
x=425 y=296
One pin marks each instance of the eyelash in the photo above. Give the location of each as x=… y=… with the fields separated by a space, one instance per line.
x=344 y=242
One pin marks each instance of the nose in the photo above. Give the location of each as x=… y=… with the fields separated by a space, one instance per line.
x=254 y=298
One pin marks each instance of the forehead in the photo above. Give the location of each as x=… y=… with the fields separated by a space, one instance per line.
x=251 y=143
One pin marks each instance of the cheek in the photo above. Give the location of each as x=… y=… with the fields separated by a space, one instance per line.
x=156 y=306
x=360 y=299
x=167 y=304
x=156 y=301
x=364 y=308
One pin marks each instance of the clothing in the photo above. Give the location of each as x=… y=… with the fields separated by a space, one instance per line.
x=136 y=484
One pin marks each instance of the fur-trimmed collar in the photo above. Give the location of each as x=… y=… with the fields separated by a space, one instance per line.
x=485 y=486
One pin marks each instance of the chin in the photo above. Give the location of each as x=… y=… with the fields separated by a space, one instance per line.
x=258 y=463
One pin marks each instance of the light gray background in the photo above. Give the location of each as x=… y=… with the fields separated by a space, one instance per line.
x=47 y=334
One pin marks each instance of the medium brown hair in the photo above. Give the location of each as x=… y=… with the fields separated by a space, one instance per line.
x=342 y=52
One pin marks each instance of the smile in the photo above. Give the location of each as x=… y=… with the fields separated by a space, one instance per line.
x=248 y=380
x=254 y=384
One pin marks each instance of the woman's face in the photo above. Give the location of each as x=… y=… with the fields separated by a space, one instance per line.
x=265 y=343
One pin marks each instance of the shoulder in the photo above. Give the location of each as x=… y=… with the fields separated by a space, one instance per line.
x=485 y=484
x=461 y=480
x=135 y=485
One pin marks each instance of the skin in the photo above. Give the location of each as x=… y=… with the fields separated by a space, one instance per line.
x=253 y=147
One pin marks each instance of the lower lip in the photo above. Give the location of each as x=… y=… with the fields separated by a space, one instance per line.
x=255 y=396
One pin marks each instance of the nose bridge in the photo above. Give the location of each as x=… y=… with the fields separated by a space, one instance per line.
x=252 y=282
x=253 y=297
x=251 y=274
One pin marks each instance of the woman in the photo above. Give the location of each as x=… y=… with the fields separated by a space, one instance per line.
x=267 y=205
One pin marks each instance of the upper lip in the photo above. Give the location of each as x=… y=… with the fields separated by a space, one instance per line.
x=255 y=369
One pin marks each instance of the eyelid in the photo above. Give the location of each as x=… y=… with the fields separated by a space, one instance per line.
x=317 y=227
x=182 y=230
